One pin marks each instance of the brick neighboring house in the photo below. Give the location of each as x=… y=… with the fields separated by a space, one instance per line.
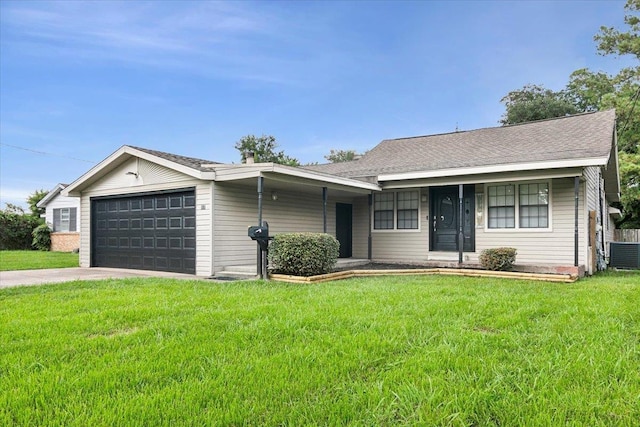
x=61 y=214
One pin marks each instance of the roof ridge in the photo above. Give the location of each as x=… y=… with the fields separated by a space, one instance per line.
x=500 y=127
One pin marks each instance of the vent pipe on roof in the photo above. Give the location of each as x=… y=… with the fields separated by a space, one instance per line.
x=249 y=157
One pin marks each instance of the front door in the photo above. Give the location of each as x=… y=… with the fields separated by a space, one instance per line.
x=444 y=212
x=344 y=214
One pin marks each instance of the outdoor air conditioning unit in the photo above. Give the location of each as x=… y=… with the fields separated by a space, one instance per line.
x=624 y=255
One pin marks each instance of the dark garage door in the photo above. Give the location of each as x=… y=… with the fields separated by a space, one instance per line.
x=147 y=232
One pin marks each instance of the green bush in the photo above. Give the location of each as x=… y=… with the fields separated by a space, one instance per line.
x=303 y=254
x=42 y=237
x=15 y=230
x=498 y=259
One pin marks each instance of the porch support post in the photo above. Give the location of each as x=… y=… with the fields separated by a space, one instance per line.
x=369 y=240
x=324 y=209
x=576 y=192
x=460 y=222
x=259 y=258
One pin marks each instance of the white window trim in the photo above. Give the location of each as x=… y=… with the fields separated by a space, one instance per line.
x=517 y=228
x=395 y=228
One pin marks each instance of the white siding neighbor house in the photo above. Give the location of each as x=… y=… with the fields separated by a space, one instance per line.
x=543 y=188
x=61 y=215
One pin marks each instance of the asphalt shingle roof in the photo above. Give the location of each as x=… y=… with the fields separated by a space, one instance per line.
x=190 y=162
x=579 y=136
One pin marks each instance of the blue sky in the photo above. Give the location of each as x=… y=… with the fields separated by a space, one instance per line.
x=80 y=79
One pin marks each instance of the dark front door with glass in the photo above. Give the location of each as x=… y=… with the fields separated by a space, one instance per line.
x=444 y=214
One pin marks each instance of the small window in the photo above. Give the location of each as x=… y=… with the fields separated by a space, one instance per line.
x=64 y=220
x=502 y=206
x=408 y=202
x=534 y=205
x=383 y=211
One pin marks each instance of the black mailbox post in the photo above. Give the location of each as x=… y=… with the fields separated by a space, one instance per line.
x=260 y=233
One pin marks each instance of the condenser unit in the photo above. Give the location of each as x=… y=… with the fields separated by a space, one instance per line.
x=624 y=255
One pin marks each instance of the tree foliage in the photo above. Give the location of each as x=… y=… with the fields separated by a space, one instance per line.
x=33 y=200
x=596 y=91
x=535 y=102
x=16 y=228
x=339 y=156
x=612 y=41
x=264 y=150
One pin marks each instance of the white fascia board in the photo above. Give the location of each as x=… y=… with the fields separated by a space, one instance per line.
x=483 y=179
x=480 y=170
x=50 y=196
x=332 y=179
x=238 y=172
x=104 y=166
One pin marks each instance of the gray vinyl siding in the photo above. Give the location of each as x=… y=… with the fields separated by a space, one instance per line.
x=555 y=246
x=404 y=245
x=152 y=178
x=236 y=208
x=360 y=247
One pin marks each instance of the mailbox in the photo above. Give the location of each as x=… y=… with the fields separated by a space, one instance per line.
x=258 y=232
x=261 y=235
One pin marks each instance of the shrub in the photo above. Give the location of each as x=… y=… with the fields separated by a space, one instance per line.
x=42 y=237
x=16 y=229
x=498 y=259
x=303 y=254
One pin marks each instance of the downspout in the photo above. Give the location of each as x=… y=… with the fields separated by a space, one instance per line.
x=324 y=210
x=576 y=192
x=260 y=189
x=460 y=223
x=369 y=239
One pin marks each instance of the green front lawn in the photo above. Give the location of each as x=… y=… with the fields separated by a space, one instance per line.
x=35 y=260
x=383 y=351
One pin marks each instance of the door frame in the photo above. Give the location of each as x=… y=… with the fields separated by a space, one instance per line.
x=469 y=226
x=345 y=251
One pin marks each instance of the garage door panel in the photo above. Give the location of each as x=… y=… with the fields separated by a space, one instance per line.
x=153 y=231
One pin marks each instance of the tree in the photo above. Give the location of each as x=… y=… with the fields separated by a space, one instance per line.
x=33 y=200
x=630 y=192
x=535 y=102
x=264 y=150
x=339 y=156
x=614 y=42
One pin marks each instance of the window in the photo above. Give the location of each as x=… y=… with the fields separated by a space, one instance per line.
x=408 y=203
x=529 y=202
x=383 y=211
x=64 y=219
x=502 y=206
x=396 y=211
x=534 y=205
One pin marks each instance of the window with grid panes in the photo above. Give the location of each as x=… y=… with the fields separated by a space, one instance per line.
x=383 y=211
x=408 y=202
x=534 y=205
x=502 y=206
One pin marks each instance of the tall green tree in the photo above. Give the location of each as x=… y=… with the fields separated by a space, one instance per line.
x=264 y=150
x=535 y=102
x=33 y=200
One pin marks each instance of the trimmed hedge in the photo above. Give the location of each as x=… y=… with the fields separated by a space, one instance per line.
x=303 y=254
x=498 y=259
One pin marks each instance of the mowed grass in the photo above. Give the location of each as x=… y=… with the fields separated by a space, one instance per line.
x=382 y=351
x=35 y=260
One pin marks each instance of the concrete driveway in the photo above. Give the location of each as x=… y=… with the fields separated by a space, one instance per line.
x=58 y=275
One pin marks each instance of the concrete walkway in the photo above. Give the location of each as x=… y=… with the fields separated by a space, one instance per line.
x=58 y=275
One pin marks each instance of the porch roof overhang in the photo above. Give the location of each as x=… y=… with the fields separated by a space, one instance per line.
x=509 y=172
x=290 y=175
